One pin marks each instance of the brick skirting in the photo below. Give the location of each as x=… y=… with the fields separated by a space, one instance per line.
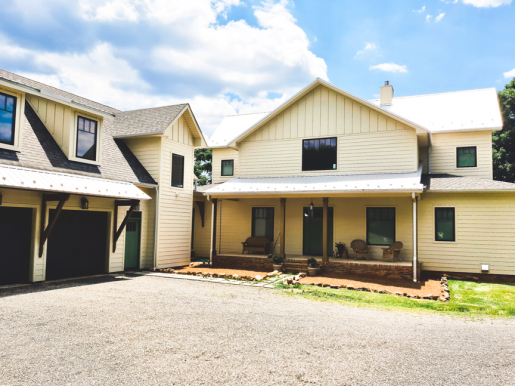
x=257 y=263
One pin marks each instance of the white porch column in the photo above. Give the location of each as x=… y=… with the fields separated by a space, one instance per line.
x=415 y=262
x=212 y=252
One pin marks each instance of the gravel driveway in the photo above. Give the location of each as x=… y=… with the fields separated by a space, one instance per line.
x=145 y=330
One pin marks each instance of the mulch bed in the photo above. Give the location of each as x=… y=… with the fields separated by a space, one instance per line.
x=218 y=270
x=425 y=288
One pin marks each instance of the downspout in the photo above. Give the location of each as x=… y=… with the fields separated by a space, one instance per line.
x=415 y=262
x=429 y=152
x=156 y=226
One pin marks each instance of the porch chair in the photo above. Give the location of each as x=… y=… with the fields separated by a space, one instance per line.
x=360 y=249
x=393 y=251
x=255 y=244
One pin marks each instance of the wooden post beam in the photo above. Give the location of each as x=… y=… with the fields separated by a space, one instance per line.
x=44 y=233
x=214 y=213
x=324 y=229
x=117 y=233
x=283 y=227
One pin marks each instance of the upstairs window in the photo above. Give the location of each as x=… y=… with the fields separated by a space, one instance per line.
x=87 y=139
x=380 y=226
x=263 y=222
x=227 y=167
x=177 y=171
x=466 y=157
x=7 y=118
x=319 y=154
x=444 y=224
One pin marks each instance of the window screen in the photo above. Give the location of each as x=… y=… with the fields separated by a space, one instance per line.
x=228 y=167
x=319 y=154
x=263 y=222
x=444 y=224
x=466 y=157
x=7 y=118
x=380 y=226
x=177 y=171
x=87 y=139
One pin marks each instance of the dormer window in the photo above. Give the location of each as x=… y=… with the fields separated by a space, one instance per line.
x=87 y=138
x=7 y=118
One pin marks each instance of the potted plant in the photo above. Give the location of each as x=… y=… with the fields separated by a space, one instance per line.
x=340 y=247
x=277 y=262
x=312 y=266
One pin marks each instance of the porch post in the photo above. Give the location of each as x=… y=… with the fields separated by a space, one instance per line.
x=283 y=226
x=324 y=229
x=214 y=213
x=415 y=263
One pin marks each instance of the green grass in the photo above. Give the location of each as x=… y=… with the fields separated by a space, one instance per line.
x=468 y=298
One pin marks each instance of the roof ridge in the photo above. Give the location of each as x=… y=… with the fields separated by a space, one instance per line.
x=153 y=108
x=237 y=115
x=439 y=93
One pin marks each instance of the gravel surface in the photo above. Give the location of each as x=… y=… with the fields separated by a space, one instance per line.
x=146 y=330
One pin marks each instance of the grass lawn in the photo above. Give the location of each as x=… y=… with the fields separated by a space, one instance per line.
x=468 y=298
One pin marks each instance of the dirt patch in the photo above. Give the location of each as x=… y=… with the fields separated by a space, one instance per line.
x=205 y=269
x=425 y=288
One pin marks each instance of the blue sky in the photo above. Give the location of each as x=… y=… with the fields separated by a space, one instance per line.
x=239 y=56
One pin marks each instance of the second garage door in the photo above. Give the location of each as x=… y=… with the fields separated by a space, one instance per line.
x=77 y=245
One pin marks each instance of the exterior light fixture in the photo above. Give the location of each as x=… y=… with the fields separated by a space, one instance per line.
x=85 y=203
x=311 y=206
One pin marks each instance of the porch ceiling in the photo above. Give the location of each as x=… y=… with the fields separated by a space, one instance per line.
x=321 y=185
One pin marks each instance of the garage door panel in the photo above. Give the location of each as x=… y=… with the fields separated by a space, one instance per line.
x=77 y=245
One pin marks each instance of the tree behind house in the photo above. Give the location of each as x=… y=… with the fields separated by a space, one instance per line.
x=504 y=140
x=203 y=165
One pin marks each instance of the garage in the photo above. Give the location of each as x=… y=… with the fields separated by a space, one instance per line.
x=77 y=245
x=15 y=241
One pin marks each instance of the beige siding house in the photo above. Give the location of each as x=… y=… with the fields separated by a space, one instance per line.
x=329 y=167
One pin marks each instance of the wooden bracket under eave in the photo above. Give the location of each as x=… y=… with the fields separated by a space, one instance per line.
x=44 y=234
x=116 y=233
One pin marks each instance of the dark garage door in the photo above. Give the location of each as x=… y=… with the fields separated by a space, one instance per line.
x=15 y=237
x=77 y=245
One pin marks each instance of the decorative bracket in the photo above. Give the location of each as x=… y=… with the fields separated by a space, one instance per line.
x=116 y=233
x=44 y=234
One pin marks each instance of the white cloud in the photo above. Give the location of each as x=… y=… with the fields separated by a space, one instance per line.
x=389 y=67
x=428 y=17
x=510 y=74
x=487 y=3
x=111 y=10
x=439 y=17
x=369 y=47
x=421 y=10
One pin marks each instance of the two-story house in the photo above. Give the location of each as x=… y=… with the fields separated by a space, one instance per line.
x=327 y=166
x=87 y=189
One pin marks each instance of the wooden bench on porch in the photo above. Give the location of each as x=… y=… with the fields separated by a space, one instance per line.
x=255 y=244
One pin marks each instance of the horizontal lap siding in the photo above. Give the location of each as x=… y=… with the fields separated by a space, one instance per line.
x=202 y=240
x=224 y=154
x=443 y=153
x=485 y=233
x=148 y=208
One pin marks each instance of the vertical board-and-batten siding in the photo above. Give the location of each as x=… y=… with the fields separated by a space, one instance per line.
x=485 y=230
x=224 y=154
x=368 y=141
x=175 y=204
x=443 y=153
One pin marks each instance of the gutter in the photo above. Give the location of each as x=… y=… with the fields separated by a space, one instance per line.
x=310 y=193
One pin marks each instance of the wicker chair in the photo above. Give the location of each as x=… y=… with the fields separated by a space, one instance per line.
x=393 y=251
x=360 y=249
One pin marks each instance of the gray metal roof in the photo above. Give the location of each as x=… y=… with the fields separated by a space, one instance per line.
x=451 y=183
x=145 y=121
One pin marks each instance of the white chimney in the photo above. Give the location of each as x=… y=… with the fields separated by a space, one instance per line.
x=386 y=94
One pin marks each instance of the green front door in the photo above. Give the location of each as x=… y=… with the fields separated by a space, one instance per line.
x=313 y=232
x=132 y=236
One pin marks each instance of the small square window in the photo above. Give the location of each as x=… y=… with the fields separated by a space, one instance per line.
x=319 y=154
x=445 y=224
x=466 y=157
x=177 y=171
x=228 y=167
x=86 y=139
x=7 y=118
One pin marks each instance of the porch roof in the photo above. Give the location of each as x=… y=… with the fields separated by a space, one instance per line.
x=330 y=184
x=16 y=177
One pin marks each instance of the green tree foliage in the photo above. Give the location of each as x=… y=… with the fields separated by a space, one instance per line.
x=203 y=165
x=504 y=140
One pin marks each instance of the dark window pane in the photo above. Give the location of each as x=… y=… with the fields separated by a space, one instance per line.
x=9 y=104
x=466 y=157
x=263 y=222
x=7 y=118
x=319 y=154
x=86 y=140
x=227 y=167
x=177 y=171
x=444 y=224
x=3 y=99
x=380 y=226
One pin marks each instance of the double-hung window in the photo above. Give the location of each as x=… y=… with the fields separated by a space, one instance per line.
x=263 y=222
x=445 y=224
x=227 y=167
x=380 y=226
x=177 y=171
x=87 y=139
x=466 y=157
x=319 y=154
x=7 y=118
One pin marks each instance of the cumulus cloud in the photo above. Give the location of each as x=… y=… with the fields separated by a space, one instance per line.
x=369 y=48
x=389 y=67
x=421 y=10
x=428 y=18
x=487 y=3
x=183 y=52
x=510 y=74
x=439 y=17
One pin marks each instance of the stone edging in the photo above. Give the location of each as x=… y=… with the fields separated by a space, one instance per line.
x=269 y=277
